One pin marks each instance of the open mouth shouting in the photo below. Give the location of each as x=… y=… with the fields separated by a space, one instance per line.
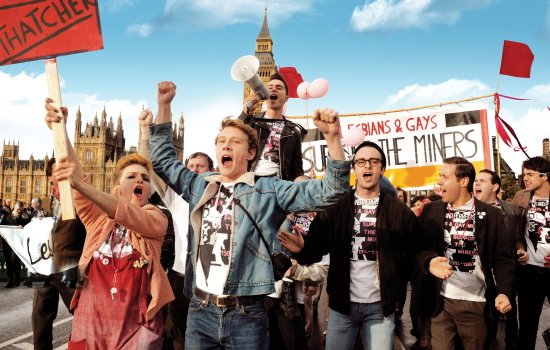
x=138 y=192
x=367 y=175
x=226 y=161
x=273 y=97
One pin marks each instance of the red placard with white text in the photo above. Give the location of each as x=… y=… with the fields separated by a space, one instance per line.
x=36 y=29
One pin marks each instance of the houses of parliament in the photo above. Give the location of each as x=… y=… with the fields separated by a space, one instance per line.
x=100 y=144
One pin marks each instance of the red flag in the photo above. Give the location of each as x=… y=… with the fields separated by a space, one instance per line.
x=516 y=59
x=292 y=79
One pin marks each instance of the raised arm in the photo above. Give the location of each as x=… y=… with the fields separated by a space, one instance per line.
x=69 y=168
x=146 y=118
x=163 y=155
x=328 y=122
x=165 y=94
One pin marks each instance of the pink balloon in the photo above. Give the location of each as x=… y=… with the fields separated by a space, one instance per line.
x=318 y=88
x=303 y=90
x=353 y=137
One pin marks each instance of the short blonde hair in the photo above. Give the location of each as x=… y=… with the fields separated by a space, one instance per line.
x=253 y=142
x=128 y=160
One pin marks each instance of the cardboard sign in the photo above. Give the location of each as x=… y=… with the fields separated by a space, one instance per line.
x=415 y=143
x=35 y=29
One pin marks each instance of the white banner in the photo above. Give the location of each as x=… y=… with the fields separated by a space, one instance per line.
x=414 y=142
x=33 y=245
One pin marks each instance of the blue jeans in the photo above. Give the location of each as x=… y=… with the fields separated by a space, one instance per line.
x=376 y=330
x=239 y=327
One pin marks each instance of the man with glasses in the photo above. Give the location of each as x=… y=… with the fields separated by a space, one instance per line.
x=371 y=238
x=534 y=277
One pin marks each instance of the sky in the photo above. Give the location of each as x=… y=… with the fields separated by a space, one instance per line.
x=376 y=55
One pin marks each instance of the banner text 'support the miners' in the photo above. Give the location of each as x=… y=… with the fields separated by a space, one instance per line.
x=415 y=142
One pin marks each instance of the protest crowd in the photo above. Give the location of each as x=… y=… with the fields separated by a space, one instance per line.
x=235 y=252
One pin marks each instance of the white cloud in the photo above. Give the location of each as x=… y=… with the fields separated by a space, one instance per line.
x=450 y=90
x=20 y=112
x=539 y=92
x=221 y=13
x=23 y=118
x=530 y=127
x=143 y=30
x=401 y=14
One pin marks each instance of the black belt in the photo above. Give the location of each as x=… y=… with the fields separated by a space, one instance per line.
x=227 y=300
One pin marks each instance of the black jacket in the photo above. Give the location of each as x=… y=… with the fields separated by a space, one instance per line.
x=290 y=151
x=399 y=237
x=514 y=220
x=68 y=238
x=495 y=253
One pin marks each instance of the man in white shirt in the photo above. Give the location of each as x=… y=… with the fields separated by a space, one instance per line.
x=534 y=277
x=481 y=266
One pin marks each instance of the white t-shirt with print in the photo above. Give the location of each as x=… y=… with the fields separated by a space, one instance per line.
x=538 y=223
x=467 y=281
x=214 y=256
x=180 y=216
x=269 y=162
x=365 y=282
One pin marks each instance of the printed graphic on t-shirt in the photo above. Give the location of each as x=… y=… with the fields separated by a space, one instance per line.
x=467 y=281
x=460 y=240
x=271 y=149
x=301 y=223
x=539 y=221
x=214 y=245
x=363 y=241
x=364 y=280
x=538 y=231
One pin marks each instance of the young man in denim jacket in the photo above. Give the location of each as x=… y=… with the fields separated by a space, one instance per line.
x=229 y=269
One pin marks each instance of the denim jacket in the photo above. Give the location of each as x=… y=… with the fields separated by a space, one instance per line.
x=267 y=199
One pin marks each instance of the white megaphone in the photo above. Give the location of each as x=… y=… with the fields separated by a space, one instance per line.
x=246 y=69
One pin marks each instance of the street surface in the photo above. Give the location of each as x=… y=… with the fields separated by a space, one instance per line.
x=16 y=326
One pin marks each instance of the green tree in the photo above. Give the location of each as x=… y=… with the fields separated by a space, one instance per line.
x=509 y=186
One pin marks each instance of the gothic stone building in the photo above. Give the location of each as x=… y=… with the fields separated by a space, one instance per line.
x=22 y=179
x=99 y=146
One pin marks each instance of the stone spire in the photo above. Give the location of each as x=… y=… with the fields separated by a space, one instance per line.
x=103 y=118
x=264 y=32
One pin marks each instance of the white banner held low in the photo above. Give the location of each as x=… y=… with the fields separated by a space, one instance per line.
x=33 y=245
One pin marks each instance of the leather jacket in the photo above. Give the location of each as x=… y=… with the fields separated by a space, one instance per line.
x=290 y=151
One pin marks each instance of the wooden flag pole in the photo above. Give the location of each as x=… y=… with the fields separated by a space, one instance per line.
x=59 y=138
